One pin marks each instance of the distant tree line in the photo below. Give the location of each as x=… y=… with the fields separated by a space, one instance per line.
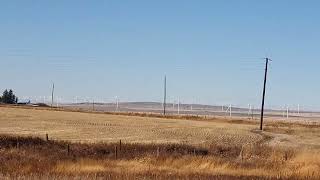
x=8 y=97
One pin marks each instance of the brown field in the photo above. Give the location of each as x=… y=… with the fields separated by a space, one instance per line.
x=153 y=147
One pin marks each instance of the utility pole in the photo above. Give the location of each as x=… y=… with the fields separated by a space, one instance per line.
x=264 y=91
x=179 y=106
x=117 y=103
x=52 y=95
x=165 y=95
x=252 y=111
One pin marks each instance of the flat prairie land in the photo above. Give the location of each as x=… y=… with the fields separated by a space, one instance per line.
x=153 y=147
x=95 y=127
x=90 y=127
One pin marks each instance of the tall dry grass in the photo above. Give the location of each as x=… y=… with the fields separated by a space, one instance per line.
x=34 y=158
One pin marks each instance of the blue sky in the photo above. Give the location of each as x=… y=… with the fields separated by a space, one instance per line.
x=211 y=51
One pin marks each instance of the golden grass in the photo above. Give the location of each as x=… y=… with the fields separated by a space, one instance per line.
x=87 y=127
x=188 y=149
x=99 y=127
x=236 y=120
x=188 y=165
x=36 y=157
x=81 y=166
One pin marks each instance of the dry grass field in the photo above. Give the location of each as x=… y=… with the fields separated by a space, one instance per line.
x=88 y=127
x=152 y=147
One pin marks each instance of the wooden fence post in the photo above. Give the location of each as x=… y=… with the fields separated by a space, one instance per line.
x=47 y=137
x=17 y=144
x=120 y=145
x=68 y=149
x=116 y=152
x=158 y=152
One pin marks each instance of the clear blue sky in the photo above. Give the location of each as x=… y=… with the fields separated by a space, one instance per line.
x=210 y=50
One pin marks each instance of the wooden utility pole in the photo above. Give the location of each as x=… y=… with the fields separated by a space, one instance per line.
x=52 y=95
x=264 y=91
x=165 y=95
